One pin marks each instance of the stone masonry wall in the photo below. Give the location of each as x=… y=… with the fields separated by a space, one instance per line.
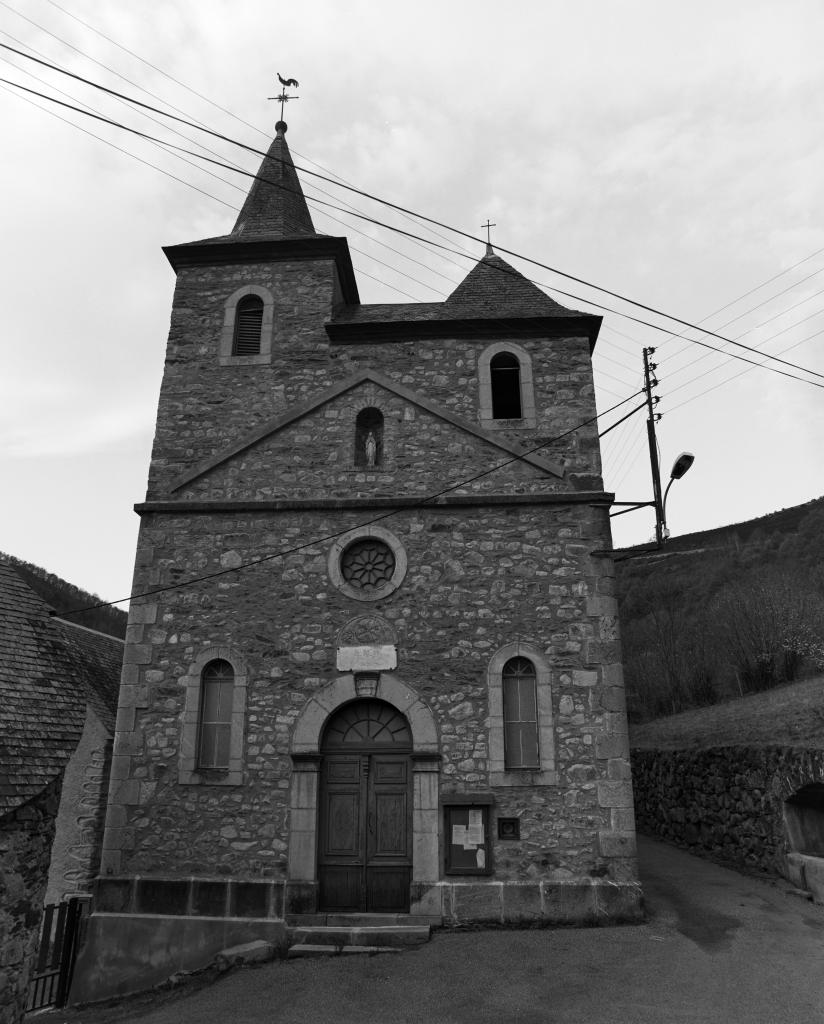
x=477 y=579
x=315 y=455
x=205 y=406
x=26 y=836
x=726 y=802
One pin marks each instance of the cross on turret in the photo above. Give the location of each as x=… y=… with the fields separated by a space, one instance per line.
x=489 y=224
x=283 y=97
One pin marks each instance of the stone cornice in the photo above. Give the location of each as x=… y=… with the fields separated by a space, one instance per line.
x=189 y=507
x=375 y=332
x=214 y=253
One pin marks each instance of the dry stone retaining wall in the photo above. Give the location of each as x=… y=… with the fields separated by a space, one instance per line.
x=725 y=802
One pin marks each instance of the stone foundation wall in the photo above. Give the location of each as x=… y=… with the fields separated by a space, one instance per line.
x=726 y=802
x=26 y=836
x=152 y=928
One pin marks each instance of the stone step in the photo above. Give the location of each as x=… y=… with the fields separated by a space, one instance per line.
x=361 y=920
x=386 y=935
x=307 y=949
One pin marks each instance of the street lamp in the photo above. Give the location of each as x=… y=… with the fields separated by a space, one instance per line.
x=679 y=468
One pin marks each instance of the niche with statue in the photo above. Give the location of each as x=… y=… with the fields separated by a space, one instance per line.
x=369 y=439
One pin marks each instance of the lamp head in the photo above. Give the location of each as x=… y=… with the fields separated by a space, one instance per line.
x=681 y=465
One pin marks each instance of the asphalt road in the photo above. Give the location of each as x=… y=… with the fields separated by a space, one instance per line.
x=718 y=948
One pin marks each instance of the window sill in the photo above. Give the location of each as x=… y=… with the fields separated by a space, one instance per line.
x=523 y=777
x=524 y=423
x=210 y=777
x=260 y=360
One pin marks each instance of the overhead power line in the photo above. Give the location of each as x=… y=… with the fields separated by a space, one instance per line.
x=402 y=209
x=402 y=231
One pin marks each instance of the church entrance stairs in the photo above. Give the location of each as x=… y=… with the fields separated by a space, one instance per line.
x=333 y=934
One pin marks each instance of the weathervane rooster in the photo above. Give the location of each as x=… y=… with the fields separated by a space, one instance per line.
x=287 y=83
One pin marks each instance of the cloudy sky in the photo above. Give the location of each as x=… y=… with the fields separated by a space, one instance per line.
x=671 y=153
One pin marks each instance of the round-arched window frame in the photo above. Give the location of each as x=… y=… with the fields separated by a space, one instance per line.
x=367 y=564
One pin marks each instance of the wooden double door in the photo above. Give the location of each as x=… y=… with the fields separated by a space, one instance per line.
x=365 y=847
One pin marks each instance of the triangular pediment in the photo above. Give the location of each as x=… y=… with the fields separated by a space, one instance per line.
x=312 y=408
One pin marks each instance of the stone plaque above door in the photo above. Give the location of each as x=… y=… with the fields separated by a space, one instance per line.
x=367 y=643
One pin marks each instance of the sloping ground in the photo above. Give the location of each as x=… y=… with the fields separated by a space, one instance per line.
x=789 y=716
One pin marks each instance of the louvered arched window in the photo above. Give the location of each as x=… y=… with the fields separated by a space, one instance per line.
x=248 y=326
x=505 y=373
x=217 y=684
x=520 y=714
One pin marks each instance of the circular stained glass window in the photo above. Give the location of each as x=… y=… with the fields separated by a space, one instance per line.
x=367 y=564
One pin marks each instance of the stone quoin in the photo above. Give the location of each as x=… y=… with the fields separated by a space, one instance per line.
x=383 y=616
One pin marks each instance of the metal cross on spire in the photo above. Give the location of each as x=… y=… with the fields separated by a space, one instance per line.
x=489 y=224
x=287 y=83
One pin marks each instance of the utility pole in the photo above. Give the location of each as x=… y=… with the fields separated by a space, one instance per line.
x=650 y=382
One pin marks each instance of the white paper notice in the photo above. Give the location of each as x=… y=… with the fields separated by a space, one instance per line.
x=459 y=835
x=476 y=834
x=480 y=858
x=476 y=817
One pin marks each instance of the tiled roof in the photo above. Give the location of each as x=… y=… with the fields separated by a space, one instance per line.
x=388 y=312
x=495 y=289
x=46 y=679
x=492 y=290
x=275 y=205
x=98 y=659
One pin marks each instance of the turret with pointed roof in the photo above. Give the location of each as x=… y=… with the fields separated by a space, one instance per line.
x=275 y=206
x=274 y=223
x=493 y=295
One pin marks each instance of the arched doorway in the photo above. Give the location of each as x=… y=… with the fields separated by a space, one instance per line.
x=365 y=810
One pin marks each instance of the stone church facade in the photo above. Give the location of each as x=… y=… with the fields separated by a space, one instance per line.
x=394 y=686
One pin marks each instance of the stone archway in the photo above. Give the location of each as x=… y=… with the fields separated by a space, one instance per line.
x=306 y=763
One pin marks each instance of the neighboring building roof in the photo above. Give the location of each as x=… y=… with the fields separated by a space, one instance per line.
x=49 y=671
x=99 y=658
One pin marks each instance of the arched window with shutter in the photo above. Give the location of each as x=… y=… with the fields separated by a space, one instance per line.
x=215 y=726
x=214 y=716
x=520 y=714
x=248 y=326
x=521 y=719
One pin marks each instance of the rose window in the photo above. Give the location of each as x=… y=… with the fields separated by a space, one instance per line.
x=367 y=564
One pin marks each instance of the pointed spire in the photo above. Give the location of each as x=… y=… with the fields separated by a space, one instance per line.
x=275 y=206
x=494 y=288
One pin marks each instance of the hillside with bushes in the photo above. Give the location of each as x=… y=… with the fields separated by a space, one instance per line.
x=62 y=596
x=723 y=613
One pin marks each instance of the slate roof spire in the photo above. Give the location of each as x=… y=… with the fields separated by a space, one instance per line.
x=275 y=206
x=495 y=289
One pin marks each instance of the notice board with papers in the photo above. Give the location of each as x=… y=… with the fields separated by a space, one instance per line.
x=467 y=840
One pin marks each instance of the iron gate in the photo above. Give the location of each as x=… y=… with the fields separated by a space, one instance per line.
x=60 y=934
